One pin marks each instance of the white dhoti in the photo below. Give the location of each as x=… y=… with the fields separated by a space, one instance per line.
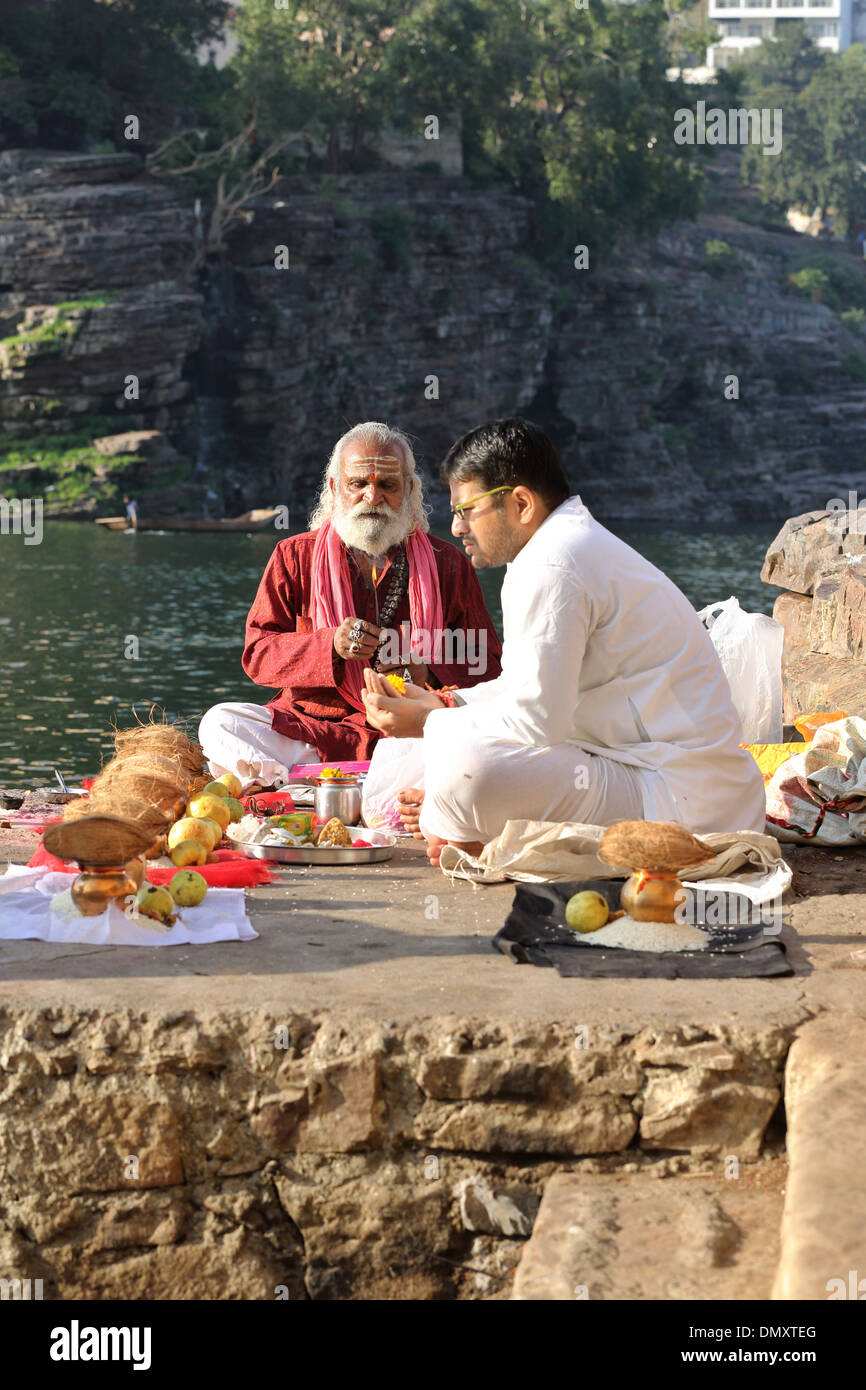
x=238 y=738
x=473 y=785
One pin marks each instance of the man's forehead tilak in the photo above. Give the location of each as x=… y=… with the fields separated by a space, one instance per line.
x=372 y=465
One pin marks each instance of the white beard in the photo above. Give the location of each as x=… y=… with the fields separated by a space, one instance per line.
x=374 y=535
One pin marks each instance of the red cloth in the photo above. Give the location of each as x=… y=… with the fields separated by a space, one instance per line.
x=333 y=600
x=284 y=652
x=234 y=870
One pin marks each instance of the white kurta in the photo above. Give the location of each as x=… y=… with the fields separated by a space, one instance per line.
x=603 y=653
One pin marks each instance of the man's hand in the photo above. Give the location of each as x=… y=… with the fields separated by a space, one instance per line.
x=418 y=672
x=367 y=642
x=401 y=716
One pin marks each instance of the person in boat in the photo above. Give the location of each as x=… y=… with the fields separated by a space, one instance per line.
x=366 y=587
x=131 y=507
x=612 y=703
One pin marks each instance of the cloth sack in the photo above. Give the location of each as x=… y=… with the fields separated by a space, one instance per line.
x=819 y=796
x=396 y=763
x=26 y=913
x=749 y=646
x=542 y=852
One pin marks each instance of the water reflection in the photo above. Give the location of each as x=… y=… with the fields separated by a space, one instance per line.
x=72 y=604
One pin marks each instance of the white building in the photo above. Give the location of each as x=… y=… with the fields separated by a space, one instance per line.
x=832 y=24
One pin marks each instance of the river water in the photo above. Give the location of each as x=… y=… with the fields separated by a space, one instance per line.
x=94 y=623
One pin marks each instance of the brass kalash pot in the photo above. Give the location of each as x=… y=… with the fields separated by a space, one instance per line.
x=108 y=851
x=657 y=852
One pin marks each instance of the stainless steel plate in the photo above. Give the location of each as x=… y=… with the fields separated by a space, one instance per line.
x=381 y=849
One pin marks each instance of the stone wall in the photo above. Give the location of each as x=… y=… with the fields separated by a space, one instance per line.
x=819 y=560
x=249 y=1155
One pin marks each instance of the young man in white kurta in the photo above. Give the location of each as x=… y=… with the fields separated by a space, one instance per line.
x=612 y=703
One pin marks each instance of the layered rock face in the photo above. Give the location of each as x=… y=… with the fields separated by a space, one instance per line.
x=678 y=385
x=430 y=316
x=255 y=1156
x=627 y=365
x=99 y=316
x=819 y=559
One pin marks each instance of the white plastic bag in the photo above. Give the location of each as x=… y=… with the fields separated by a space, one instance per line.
x=750 y=650
x=397 y=763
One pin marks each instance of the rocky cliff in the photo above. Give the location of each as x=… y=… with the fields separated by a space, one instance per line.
x=99 y=317
x=687 y=381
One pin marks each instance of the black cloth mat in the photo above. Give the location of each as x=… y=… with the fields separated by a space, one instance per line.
x=536 y=933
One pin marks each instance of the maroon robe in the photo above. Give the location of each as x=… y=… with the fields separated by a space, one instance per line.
x=283 y=651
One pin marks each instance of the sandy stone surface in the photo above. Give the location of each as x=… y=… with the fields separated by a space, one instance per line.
x=370 y=1102
x=824 y=1224
x=635 y=1237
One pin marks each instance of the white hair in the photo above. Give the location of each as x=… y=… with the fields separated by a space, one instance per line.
x=383 y=437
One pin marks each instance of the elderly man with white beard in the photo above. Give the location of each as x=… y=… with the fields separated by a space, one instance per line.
x=366 y=587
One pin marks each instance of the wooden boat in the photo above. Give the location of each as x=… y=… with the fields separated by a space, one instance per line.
x=259 y=519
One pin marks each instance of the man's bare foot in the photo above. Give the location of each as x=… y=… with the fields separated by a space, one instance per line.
x=435 y=847
x=409 y=803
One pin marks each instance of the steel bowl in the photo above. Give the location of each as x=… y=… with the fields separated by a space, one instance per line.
x=338 y=797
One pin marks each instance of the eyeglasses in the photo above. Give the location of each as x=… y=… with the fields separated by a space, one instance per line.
x=463 y=507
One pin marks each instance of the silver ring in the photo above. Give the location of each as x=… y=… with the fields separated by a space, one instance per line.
x=354 y=648
x=356 y=631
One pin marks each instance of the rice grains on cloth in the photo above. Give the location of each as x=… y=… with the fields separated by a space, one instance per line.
x=647 y=936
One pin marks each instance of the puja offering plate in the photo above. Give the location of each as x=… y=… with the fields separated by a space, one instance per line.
x=381 y=847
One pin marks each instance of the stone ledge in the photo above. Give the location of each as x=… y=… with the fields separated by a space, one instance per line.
x=624 y=1237
x=824 y=1221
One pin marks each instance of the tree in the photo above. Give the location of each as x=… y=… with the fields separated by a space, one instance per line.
x=570 y=106
x=321 y=64
x=71 y=70
x=600 y=113
x=822 y=163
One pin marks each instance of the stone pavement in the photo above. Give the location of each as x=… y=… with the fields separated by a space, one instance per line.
x=310 y=1109
x=392 y=940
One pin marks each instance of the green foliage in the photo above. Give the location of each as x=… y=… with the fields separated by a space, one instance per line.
x=70 y=471
x=810 y=282
x=785 y=64
x=570 y=107
x=52 y=450
x=392 y=228
x=823 y=99
x=70 y=70
x=720 y=258
x=842 y=284
x=853 y=319
x=65 y=465
x=54 y=333
x=854 y=363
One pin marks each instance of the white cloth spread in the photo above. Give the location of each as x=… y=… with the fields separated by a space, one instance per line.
x=603 y=656
x=26 y=912
x=535 y=852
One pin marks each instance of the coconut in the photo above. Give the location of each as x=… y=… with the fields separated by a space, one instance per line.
x=158 y=791
x=151 y=765
x=104 y=802
x=98 y=840
x=163 y=739
x=655 y=846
